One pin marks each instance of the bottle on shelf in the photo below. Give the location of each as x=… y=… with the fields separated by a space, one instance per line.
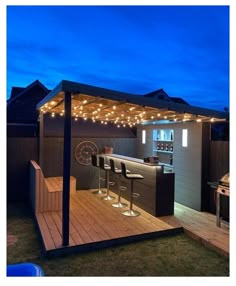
x=171 y=160
x=171 y=147
x=167 y=147
x=158 y=146
x=162 y=146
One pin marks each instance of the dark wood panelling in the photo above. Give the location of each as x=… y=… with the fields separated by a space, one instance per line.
x=19 y=153
x=87 y=176
x=156 y=190
x=81 y=128
x=219 y=160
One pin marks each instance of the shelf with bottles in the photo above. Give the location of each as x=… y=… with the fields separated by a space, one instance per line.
x=166 y=135
x=163 y=147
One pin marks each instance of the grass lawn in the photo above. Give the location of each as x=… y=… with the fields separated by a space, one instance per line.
x=169 y=256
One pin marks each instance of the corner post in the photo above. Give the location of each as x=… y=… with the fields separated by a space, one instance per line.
x=66 y=170
x=41 y=139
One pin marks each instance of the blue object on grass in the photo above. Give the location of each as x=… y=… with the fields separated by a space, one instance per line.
x=24 y=269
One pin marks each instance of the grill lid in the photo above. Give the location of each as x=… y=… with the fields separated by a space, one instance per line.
x=224 y=181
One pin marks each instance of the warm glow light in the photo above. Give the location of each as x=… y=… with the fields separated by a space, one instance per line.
x=118 y=126
x=100 y=104
x=53 y=114
x=76 y=119
x=184 y=137
x=114 y=107
x=199 y=120
x=158 y=114
x=165 y=117
x=85 y=101
x=143 y=136
x=53 y=102
x=212 y=119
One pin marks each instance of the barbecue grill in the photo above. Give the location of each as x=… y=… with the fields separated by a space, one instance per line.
x=222 y=188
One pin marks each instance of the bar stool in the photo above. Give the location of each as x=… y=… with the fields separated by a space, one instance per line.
x=95 y=164
x=117 y=171
x=107 y=169
x=131 y=177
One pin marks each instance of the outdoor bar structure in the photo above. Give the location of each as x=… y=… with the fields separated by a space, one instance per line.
x=170 y=152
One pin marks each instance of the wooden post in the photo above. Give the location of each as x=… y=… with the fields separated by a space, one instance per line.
x=41 y=139
x=66 y=170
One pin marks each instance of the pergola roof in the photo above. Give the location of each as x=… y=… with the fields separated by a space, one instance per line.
x=104 y=105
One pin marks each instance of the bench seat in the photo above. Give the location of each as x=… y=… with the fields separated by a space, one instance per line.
x=55 y=184
x=46 y=193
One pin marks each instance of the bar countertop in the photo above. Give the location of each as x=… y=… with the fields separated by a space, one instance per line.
x=166 y=167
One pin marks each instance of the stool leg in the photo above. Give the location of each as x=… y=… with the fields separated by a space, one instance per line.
x=119 y=204
x=99 y=191
x=108 y=197
x=131 y=212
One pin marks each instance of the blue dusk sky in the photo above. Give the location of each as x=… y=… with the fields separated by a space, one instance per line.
x=135 y=49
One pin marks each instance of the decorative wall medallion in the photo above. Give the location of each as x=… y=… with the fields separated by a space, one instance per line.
x=83 y=152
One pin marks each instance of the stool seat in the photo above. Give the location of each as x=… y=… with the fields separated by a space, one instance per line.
x=134 y=176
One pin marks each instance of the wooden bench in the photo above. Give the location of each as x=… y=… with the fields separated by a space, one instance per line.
x=46 y=193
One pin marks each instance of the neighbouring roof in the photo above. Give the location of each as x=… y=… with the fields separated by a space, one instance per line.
x=21 y=107
x=104 y=105
x=15 y=91
x=162 y=95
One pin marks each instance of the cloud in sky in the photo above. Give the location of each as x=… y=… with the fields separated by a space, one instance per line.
x=136 y=49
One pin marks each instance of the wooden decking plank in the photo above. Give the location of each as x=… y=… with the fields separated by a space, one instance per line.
x=46 y=236
x=94 y=220
x=57 y=218
x=201 y=226
x=56 y=236
x=78 y=224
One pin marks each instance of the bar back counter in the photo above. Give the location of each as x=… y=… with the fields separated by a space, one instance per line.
x=156 y=190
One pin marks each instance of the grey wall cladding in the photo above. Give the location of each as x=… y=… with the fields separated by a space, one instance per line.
x=86 y=175
x=187 y=161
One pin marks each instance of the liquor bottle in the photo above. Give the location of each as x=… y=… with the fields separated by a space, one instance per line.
x=171 y=160
x=167 y=147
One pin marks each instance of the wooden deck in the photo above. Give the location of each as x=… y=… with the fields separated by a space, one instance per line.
x=201 y=226
x=94 y=224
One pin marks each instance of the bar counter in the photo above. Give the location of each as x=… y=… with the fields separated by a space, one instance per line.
x=156 y=190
